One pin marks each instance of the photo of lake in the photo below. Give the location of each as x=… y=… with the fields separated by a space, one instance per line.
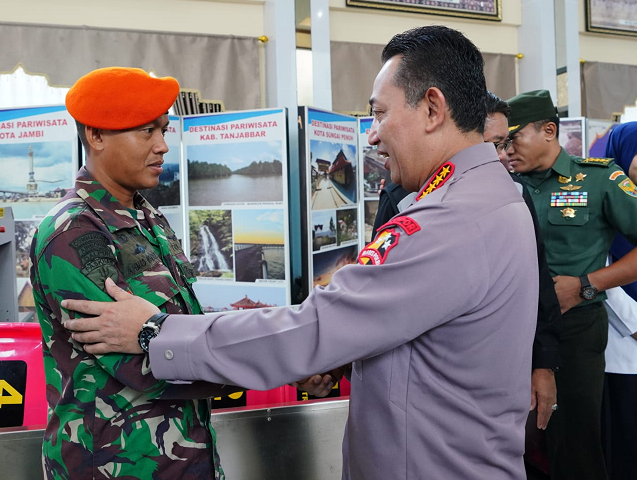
x=235 y=172
x=259 y=252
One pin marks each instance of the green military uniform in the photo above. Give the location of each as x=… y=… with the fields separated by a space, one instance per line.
x=108 y=416
x=580 y=204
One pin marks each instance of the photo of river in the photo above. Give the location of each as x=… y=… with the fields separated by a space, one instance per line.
x=235 y=172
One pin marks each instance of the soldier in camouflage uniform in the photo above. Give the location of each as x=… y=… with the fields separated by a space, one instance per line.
x=581 y=204
x=108 y=416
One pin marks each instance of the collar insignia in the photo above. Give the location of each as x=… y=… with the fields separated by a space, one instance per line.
x=563 y=179
x=438 y=179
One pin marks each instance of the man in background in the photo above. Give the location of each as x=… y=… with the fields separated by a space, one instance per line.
x=581 y=204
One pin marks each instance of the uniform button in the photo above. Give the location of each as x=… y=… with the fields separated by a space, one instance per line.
x=536 y=191
x=169 y=354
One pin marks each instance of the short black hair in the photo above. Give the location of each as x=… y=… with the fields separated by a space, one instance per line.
x=496 y=105
x=437 y=56
x=540 y=123
x=81 y=132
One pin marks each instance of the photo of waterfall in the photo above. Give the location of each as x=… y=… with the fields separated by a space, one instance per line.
x=259 y=252
x=211 y=242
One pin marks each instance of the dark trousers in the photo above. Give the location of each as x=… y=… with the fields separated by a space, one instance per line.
x=573 y=435
x=619 y=426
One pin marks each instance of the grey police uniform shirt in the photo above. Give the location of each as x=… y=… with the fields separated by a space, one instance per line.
x=440 y=334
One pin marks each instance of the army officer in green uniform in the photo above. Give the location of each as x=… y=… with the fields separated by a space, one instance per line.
x=581 y=204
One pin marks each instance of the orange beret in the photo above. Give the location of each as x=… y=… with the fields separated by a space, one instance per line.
x=118 y=98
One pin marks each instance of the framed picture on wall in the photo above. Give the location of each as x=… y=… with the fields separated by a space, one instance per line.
x=480 y=9
x=615 y=17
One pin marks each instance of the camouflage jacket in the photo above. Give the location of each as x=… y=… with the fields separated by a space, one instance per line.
x=108 y=416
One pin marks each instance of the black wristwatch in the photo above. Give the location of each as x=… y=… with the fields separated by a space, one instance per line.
x=587 y=291
x=150 y=330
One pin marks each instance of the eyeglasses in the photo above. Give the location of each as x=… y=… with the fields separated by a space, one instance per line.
x=503 y=146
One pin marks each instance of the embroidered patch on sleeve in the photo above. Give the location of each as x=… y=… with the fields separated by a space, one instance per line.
x=616 y=174
x=376 y=252
x=96 y=258
x=628 y=187
x=408 y=224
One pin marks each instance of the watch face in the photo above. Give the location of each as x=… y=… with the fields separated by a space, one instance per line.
x=589 y=293
x=145 y=336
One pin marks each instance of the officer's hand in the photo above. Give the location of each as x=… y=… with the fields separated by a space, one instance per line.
x=320 y=385
x=115 y=326
x=567 y=290
x=382 y=185
x=543 y=395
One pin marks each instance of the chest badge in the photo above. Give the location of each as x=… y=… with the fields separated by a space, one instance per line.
x=580 y=177
x=563 y=179
x=570 y=188
x=568 y=212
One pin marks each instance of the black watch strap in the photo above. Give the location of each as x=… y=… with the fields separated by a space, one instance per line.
x=584 y=281
x=158 y=318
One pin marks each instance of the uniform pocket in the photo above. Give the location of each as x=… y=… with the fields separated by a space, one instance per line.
x=564 y=232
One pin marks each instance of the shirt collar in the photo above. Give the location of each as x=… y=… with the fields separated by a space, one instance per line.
x=115 y=215
x=562 y=165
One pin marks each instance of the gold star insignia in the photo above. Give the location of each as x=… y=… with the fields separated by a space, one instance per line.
x=580 y=177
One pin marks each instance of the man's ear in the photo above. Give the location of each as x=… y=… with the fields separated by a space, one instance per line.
x=94 y=137
x=550 y=131
x=435 y=105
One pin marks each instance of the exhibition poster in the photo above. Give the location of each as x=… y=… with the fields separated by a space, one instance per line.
x=329 y=160
x=237 y=215
x=573 y=136
x=38 y=161
x=597 y=133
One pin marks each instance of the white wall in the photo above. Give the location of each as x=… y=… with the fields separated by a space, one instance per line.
x=221 y=17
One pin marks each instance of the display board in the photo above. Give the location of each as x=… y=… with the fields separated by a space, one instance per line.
x=38 y=161
x=373 y=173
x=237 y=208
x=328 y=146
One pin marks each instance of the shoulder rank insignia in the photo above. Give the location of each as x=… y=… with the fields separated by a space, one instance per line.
x=376 y=252
x=570 y=188
x=408 y=224
x=602 y=162
x=439 y=178
x=628 y=187
x=563 y=179
x=615 y=174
